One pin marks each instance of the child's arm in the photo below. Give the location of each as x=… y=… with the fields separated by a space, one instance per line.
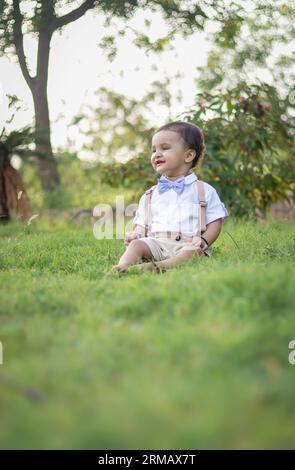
x=212 y=232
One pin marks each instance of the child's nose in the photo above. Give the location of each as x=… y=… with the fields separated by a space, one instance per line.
x=157 y=155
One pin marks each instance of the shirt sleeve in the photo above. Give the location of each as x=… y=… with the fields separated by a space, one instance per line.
x=139 y=215
x=215 y=208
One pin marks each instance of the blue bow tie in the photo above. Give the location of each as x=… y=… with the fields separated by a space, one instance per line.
x=165 y=185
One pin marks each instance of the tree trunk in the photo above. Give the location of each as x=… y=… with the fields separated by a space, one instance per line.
x=4 y=210
x=46 y=164
x=47 y=167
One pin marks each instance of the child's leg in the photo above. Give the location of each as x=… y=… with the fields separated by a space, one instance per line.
x=181 y=257
x=135 y=251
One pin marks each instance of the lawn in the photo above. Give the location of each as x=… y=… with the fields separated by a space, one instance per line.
x=193 y=358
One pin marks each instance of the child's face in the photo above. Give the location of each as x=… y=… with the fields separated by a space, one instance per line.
x=169 y=156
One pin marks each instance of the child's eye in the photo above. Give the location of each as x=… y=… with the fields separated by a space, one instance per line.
x=164 y=148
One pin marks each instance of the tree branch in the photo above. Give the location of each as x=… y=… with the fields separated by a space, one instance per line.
x=19 y=42
x=73 y=15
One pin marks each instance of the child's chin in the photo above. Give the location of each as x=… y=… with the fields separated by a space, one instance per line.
x=160 y=171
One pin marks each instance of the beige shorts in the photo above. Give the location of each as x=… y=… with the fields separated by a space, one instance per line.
x=164 y=248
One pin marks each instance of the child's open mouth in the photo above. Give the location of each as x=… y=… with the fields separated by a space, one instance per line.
x=159 y=162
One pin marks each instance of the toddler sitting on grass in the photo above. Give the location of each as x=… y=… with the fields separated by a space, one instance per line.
x=180 y=217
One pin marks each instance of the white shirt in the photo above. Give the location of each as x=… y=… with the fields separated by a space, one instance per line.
x=175 y=212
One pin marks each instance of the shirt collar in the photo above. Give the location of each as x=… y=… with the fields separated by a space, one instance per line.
x=188 y=179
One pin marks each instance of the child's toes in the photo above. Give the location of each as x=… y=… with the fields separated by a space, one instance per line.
x=145 y=267
x=118 y=268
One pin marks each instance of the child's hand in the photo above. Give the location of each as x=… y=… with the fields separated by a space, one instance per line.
x=197 y=244
x=194 y=245
x=130 y=236
x=204 y=245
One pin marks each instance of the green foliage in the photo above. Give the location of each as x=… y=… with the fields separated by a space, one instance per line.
x=159 y=45
x=249 y=144
x=194 y=358
x=107 y=43
x=249 y=41
x=82 y=186
x=227 y=36
x=50 y=14
x=119 y=126
x=137 y=173
x=17 y=142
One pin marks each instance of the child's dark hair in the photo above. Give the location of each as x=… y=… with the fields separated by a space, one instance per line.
x=191 y=134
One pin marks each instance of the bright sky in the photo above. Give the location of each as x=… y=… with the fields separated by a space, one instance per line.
x=78 y=68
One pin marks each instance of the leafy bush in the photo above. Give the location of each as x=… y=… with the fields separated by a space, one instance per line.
x=250 y=148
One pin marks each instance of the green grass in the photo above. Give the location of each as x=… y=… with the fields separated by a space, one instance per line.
x=190 y=359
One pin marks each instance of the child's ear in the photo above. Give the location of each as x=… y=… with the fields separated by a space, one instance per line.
x=190 y=155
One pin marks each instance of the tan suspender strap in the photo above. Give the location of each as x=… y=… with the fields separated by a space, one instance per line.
x=147 y=210
x=202 y=207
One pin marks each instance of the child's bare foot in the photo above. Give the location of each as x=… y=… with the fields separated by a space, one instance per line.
x=148 y=267
x=143 y=267
x=121 y=268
